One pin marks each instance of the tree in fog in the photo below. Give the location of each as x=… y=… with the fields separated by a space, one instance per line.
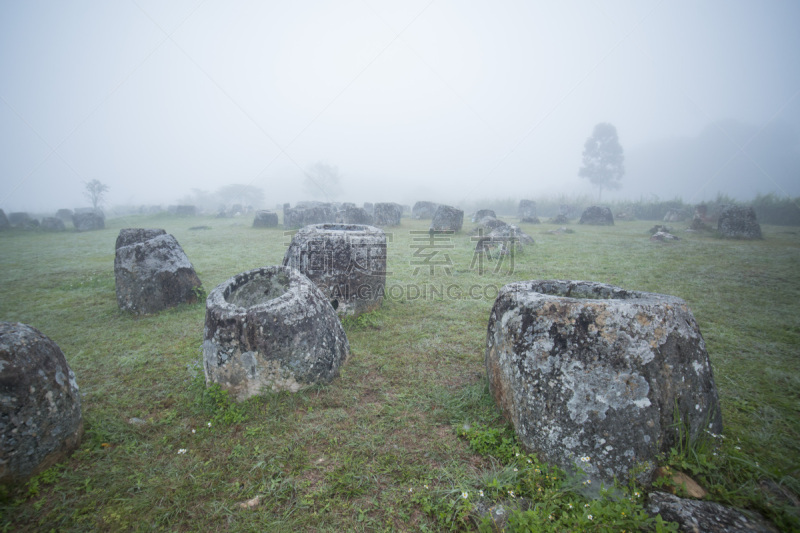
x=95 y=191
x=322 y=181
x=603 y=158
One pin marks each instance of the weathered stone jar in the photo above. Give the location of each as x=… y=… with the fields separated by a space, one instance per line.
x=271 y=328
x=346 y=261
x=152 y=272
x=41 y=422
x=595 y=376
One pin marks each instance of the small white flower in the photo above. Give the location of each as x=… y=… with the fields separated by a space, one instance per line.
x=515 y=469
x=511 y=493
x=194 y=431
x=410 y=489
x=586 y=505
x=585 y=458
x=465 y=495
x=570 y=506
x=530 y=462
x=480 y=493
x=517 y=455
x=209 y=424
x=590 y=517
x=181 y=451
x=426 y=487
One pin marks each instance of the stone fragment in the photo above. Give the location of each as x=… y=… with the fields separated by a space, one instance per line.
x=152 y=272
x=488 y=224
x=447 y=218
x=480 y=214
x=387 y=214
x=88 y=220
x=356 y=215
x=64 y=214
x=695 y=516
x=423 y=210
x=40 y=405
x=129 y=236
x=510 y=233
x=591 y=375
x=265 y=219
x=526 y=209
x=19 y=219
x=52 y=224
x=308 y=214
x=559 y=219
x=346 y=261
x=663 y=236
x=597 y=216
x=271 y=329
x=738 y=222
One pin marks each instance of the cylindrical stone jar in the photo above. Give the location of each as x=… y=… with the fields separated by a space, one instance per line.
x=271 y=328
x=599 y=377
x=346 y=261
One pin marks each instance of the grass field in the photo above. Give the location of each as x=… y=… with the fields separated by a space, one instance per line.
x=384 y=447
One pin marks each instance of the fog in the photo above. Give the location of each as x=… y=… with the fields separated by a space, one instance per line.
x=433 y=99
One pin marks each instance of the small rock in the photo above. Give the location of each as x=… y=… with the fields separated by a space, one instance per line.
x=251 y=503
x=708 y=517
x=663 y=236
x=680 y=482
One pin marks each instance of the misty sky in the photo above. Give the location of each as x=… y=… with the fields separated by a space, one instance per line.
x=442 y=100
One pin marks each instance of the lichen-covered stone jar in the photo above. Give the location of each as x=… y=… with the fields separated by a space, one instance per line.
x=271 y=329
x=346 y=261
x=596 y=377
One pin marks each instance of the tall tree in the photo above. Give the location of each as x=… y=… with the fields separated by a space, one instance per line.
x=323 y=181
x=95 y=191
x=603 y=158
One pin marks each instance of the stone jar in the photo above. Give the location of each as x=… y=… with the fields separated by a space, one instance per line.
x=346 y=261
x=41 y=422
x=598 y=377
x=271 y=329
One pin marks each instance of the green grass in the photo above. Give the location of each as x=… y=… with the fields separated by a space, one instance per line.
x=343 y=457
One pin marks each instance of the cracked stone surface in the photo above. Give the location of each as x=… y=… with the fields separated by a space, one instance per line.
x=708 y=517
x=739 y=222
x=271 y=329
x=423 y=210
x=387 y=214
x=597 y=216
x=346 y=261
x=265 y=219
x=152 y=272
x=447 y=218
x=40 y=405
x=589 y=370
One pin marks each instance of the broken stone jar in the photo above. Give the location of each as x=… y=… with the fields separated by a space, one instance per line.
x=271 y=329
x=598 y=377
x=346 y=261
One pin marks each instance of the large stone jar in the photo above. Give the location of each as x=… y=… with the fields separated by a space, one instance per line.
x=346 y=261
x=41 y=422
x=595 y=376
x=271 y=328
